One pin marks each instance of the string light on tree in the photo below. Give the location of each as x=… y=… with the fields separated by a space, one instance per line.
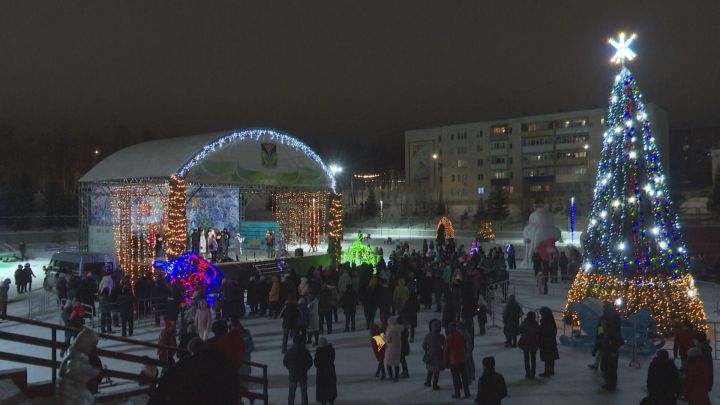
x=177 y=226
x=634 y=252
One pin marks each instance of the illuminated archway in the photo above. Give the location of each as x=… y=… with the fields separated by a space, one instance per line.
x=449 y=229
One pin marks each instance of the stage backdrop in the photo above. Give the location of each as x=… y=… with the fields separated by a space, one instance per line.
x=217 y=207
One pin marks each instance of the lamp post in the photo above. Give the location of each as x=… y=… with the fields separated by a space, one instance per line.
x=434 y=157
x=572 y=219
x=381 y=219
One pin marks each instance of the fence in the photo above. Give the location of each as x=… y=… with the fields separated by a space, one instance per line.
x=710 y=294
x=40 y=302
x=496 y=295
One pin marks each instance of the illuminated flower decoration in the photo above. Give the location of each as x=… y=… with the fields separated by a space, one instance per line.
x=193 y=273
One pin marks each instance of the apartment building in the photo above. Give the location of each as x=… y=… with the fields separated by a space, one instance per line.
x=539 y=160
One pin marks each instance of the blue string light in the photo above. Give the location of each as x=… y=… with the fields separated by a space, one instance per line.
x=191 y=272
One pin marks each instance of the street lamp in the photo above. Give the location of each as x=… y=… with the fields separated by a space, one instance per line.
x=381 y=219
x=572 y=219
x=434 y=156
x=335 y=169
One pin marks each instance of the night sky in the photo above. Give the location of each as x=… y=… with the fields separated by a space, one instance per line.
x=345 y=76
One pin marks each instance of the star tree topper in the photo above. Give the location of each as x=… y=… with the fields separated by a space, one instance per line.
x=622 y=48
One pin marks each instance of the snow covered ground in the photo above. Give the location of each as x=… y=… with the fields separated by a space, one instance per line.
x=573 y=383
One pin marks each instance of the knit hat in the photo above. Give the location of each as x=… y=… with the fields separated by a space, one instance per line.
x=322 y=342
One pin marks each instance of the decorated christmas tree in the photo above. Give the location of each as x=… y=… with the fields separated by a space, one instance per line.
x=634 y=255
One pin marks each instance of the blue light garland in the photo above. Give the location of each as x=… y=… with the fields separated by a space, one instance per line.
x=256 y=134
x=192 y=272
x=633 y=227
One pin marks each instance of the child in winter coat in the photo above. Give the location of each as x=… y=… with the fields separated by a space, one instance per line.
x=491 y=385
x=167 y=339
x=377 y=343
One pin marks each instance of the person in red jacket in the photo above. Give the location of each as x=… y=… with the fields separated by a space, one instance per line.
x=455 y=358
x=377 y=343
x=697 y=386
x=167 y=339
x=683 y=342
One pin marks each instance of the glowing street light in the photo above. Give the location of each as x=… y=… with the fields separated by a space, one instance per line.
x=335 y=169
x=434 y=156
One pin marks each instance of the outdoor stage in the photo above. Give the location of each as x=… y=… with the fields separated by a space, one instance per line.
x=241 y=270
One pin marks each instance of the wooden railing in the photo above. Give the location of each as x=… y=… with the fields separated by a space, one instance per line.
x=54 y=344
x=54 y=363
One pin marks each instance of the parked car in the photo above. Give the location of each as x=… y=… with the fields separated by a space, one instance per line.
x=65 y=264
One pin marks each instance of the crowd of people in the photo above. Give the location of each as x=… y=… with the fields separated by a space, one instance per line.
x=458 y=287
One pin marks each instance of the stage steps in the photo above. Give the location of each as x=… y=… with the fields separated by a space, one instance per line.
x=267 y=269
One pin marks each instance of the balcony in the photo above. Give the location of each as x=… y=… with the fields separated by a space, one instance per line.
x=537 y=148
x=571 y=130
x=571 y=162
x=539 y=179
x=571 y=146
x=572 y=178
x=537 y=163
x=498 y=152
x=498 y=166
x=500 y=182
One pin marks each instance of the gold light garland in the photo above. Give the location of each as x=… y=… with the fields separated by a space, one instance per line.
x=176 y=237
x=335 y=227
x=485 y=231
x=133 y=253
x=296 y=212
x=449 y=229
x=669 y=299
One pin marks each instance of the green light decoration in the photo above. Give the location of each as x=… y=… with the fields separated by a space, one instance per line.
x=359 y=253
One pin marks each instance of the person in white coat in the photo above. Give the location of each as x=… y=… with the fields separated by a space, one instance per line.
x=393 y=348
x=238 y=246
x=203 y=243
x=203 y=319
x=313 y=328
x=106 y=282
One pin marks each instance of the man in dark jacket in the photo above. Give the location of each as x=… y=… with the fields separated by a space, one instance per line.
x=325 y=308
x=663 y=380
x=298 y=361
x=563 y=262
x=348 y=302
x=125 y=307
x=160 y=296
x=610 y=347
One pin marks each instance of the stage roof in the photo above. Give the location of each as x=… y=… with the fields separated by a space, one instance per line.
x=252 y=158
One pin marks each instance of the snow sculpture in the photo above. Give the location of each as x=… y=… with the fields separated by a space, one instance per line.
x=541 y=234
x=76 y=370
